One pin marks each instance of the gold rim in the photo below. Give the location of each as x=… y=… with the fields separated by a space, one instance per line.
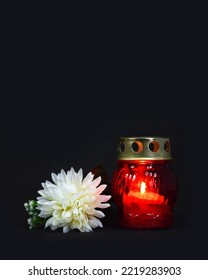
x=144 y=148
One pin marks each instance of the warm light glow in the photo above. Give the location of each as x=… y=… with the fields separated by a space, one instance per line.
x=143 y=187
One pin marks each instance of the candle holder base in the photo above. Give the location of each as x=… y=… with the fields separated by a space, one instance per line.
x=147 y=221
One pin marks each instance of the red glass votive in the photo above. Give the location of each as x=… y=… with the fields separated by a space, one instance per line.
x=144 y=186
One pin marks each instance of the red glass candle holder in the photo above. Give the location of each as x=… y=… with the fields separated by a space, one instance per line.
x=144 y=186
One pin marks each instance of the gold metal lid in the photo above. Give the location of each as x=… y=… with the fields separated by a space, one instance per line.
x=144 y=148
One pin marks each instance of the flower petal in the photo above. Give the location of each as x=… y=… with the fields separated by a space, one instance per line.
x=104 y=198
x=95 y=182
x=70 y=188
x=66 y=229
x=100 y=189
x=96 y=221
x=104 y=205
x=80 y=173
x=54 y=177
x=99 y=214
x=87 y=179
x=93 y=224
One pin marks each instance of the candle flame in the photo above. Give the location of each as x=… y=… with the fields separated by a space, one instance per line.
x=143 y=187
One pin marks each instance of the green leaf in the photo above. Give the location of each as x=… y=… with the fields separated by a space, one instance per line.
x=34 y=221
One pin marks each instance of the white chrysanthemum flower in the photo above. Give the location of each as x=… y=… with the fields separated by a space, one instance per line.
x=71 y=202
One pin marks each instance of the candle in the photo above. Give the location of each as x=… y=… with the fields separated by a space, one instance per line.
x=144 y=208
x=147 y=197
x=140 y=202
x=144 y=187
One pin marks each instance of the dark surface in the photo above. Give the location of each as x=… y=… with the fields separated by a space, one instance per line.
x=110 y=242
x=68 y=108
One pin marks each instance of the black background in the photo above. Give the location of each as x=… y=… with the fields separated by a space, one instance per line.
x=68 y=97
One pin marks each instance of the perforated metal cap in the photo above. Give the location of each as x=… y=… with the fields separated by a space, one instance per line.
x=144 y=148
